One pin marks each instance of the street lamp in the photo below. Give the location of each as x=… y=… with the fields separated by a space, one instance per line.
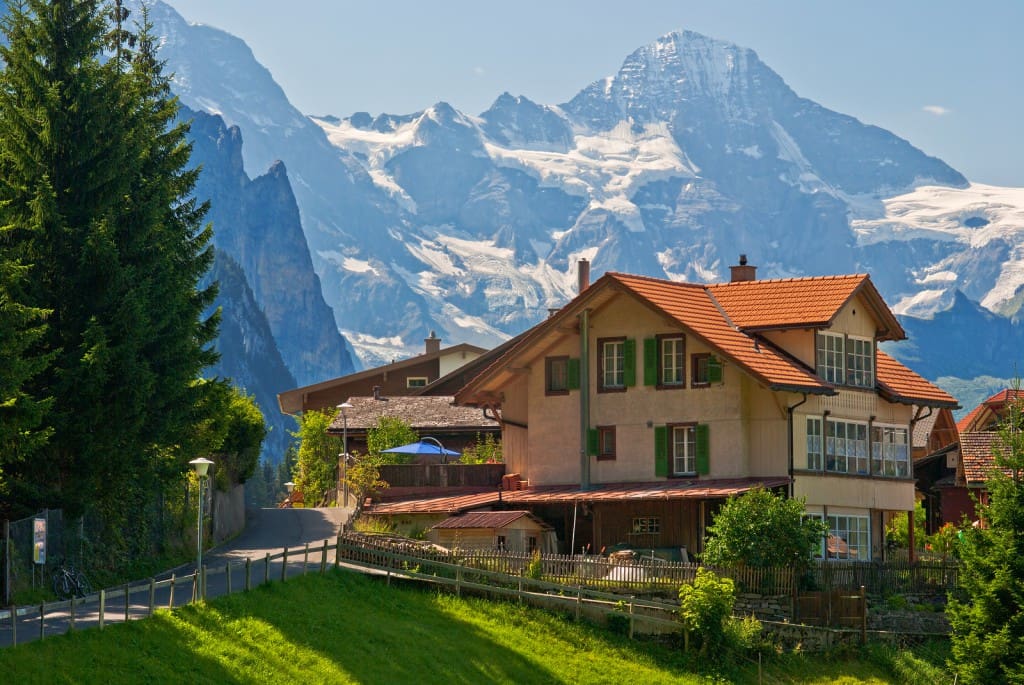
x=343 y=471
x=202 y=467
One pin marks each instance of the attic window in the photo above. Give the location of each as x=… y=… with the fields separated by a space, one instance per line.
x=416 y=382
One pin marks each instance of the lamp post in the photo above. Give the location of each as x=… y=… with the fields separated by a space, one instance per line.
x=202 y=467
x=343 y=471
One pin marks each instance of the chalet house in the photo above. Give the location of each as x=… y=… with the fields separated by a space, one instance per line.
x=979 y=441
x=435 y=417
x=632 y=413
x=512 y=531
x=936 y=456
x=406 y=377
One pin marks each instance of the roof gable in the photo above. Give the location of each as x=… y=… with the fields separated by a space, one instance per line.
x=801 y=303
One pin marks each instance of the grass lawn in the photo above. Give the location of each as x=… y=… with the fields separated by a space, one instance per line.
x=346 y=628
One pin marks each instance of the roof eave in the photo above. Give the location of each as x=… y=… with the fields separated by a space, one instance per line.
x=897 y=398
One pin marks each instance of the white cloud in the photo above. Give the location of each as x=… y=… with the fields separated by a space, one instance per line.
x=937 y=110
x=479 y=71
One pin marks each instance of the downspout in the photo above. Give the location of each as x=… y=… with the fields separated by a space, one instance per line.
x=584 y=398
x=789 y=439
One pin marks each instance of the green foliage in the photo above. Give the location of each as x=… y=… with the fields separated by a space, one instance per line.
x=390 y=432
x=485 y=450
x=987 y=616
x=101 y=237
x=363 y=477
x=232 y=432
x=762 y=529
x=535 y=568
x=705 y=606
x=372 y=524
x=896 y=531
x=317 y=460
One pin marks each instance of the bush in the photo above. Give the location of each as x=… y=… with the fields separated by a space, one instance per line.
x=534 y=569
x=704 y=608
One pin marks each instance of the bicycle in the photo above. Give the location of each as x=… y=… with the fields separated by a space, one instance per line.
x=69 y=582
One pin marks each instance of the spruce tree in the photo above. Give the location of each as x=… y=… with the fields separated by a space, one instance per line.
x=987 y=615
x=96 y=180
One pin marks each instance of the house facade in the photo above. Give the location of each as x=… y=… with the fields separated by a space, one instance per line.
x=400 y=378
x=634 y=411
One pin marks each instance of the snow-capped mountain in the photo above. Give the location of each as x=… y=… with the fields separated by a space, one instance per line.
x=693 y=152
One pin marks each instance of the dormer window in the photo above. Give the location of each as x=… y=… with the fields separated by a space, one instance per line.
x=846 y=360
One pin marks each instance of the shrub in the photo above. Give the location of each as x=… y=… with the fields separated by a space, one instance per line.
x=704 y=607
x=534 y=569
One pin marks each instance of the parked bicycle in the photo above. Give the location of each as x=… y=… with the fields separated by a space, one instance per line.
x=69 y=582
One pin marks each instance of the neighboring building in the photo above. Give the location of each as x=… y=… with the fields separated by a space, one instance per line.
x=434 y=417
x=406 y=377
x=634 y=411
x=511 y=531
x=936 y=455
x=979 y=440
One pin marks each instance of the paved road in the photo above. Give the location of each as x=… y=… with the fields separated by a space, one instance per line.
x=268 y=531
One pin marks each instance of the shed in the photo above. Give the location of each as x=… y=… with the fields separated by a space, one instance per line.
x=513 y=531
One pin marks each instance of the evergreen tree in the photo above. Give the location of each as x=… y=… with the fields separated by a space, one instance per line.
x=94 y=178
x=987 y=615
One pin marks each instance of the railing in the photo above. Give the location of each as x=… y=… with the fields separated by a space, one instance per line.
x=441 y=475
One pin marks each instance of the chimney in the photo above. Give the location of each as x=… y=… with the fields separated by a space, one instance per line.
x=432 y=343
x=743 y=272
x=583 y=273
x=376 y=393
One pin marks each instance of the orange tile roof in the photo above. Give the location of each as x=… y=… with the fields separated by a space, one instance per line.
x=487 y=519
x=567 y=494
x=977 y=454
x=993 y=404
x=690 y=305
x=786 y=302
x=900 y=384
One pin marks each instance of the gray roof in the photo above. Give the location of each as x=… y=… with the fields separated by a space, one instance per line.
x=435 y=413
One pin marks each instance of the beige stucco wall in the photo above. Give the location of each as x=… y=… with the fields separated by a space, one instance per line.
x=453 y=360
x=747 y=426
x=860 y=493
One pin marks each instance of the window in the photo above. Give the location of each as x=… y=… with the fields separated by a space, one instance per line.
x=646 y=525
x=684 y=450
x=605 y=443
x=501 y=542
x=556 y=376
x=846 y=447
x=889 y=452
x=848 y=538
x=847 y=361
x=616 y=364
x=814 y=443
x=699 y=372
x=416 y=381
x=671 y=361
x=860 y=357
x=829 y=354
x=531 y=544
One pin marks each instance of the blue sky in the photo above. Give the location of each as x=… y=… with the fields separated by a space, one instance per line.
x=944 y=74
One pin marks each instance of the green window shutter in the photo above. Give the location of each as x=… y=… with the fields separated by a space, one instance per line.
x=714 y=370
x=661 y=451
x=650 y=361
x=592 y=446
x=703 y=449
x=629 y=362
x=572 y=369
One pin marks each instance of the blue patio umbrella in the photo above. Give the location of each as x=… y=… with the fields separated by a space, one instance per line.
x=423 y=447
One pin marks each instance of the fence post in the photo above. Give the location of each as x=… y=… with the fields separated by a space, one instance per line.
x=579 y=601
x=195 y=586
x=248 y=574
x=227 y=573
x=519 y=594
x=631 y=598
x=152 y=595
x=103 y=606
x=458 y=581
x=170 y=599
x=14 y=626
x=305 y=560
x=284 y=565
x=323 y=559
x=127 y=603
x=863 y=616
x=42 y=621
x=266 y=570
x=337 y=548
